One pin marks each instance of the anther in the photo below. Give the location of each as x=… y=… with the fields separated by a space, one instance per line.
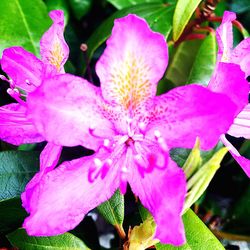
x=27 y=82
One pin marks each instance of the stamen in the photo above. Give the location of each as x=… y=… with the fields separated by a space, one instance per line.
x=142 y=127
x=129 y=122
x=162 y=143
x=14 y=93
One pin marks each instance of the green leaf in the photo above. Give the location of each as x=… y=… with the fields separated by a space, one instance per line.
x=16 y=169
x=182 y=14
x=22 y=23
x=121 y=4
x=59 y=5
x=197 y=234
x=113 y=209
x=200 y=180
x=158 y=16
x=20 y=239
x=204 y=62
x=182 y=61
x=12 y=214
x=80 y=7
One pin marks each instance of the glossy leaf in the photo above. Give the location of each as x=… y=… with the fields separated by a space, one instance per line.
x=16 y=169
x=66 y=241
x=182 y=61
x=113 y=209
x=22 y=23
x=158 y=16
x=197 y=234
x=121 y=4
x=182 y=14
x=12 y=214
x=204 y=62
x=80 y=7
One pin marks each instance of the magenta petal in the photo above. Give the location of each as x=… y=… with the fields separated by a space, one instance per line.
x=70 y=110
x=230 y=80
x=15 y=127
x=64 y=196
x=22 y=67
x=54 y=49
x=192 y=111
x=224 y=35
x=241 y=125
x=48 y=160
x=133 y=62
x=242 y=161
x=241 y=56
x=163 y=192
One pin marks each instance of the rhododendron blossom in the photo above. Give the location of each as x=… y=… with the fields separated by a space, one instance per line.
x=238 y=59
x=130 y=129
x=26 y=73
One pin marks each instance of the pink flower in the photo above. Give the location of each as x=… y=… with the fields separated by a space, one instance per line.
x=237 y=60
x=130 y=129
x=27 y=73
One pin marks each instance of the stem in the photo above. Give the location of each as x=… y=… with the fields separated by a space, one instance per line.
x=228 y=236
x=120 y=231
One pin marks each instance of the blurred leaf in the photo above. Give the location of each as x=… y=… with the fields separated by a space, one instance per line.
x=113 y=209
x=204 y=62
x=27 y=147
x=238 y=221
x=121 y=4
x=16 y=169
x=240 y=6
x=158 y=16
x=80 y=7
x=22 y=23
x=20 y=239
x=12 y=214
x=59 y=5
x=199 y=237
x=182 y=62
x=87 y=232
x=141 y=237
x=182 y=14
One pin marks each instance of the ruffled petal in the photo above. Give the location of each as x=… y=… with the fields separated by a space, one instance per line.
x=15 y=127
x=188 y=112
x=22 y=67
x=64 y=196
x=242 y=161
x=54 y=49
x=70 y=110
x=163 y=192
x=133 y=62
x=241 y=56
x=230 y=80
x=48 y=160
x=241 y=125
x=224 y=35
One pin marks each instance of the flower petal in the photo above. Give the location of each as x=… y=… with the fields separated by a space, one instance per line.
x=230 y=80
x=188 y=112
x=241 y=125
x=242 y=161
x=163 y=192
x=64 y=196
x=48 y=160
x=224 y=35
x=70 y=112
x=241 y=56
x=15 y=127
x=22 y=67
x=54 y=49
x=133 y=62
